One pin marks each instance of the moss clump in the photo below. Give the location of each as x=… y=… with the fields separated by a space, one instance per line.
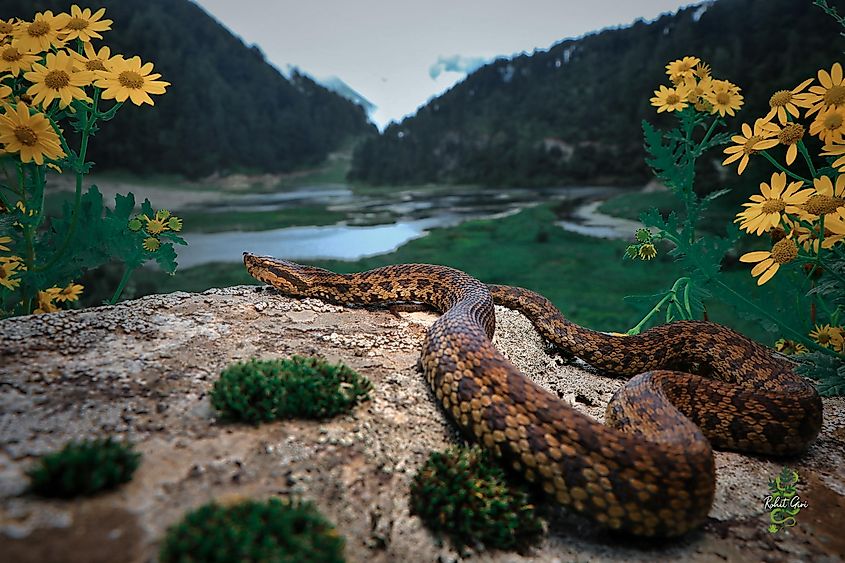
x=253 y=531
x=462 y=494
x=84 y=468
x=265 y=390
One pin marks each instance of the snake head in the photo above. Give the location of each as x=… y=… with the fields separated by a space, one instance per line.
x=281 y=274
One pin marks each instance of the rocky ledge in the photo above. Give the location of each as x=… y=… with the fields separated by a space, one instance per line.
x=142 y=370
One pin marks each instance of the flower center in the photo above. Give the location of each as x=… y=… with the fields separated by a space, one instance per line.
x=94 y=64
x=748 y=147
x=723 y=98
x=38 y=29
x=784 y=251
x=11 y=54
x=25 y=135
x=57 y=79
x=791 y=134
x=780 y=98
x=823 y=204
x=773 y=206
x=130 y=79
x=833 y=121
x=672 y=99
x=77 y=24
x=835 y=96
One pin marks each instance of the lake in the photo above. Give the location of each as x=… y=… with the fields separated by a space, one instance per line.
x=377 y=224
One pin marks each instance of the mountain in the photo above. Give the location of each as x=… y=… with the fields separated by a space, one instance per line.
x=227 y=109
x=343 y=89
x=572 y=114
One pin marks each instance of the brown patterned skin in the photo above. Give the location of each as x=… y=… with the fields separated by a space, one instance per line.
x=649 y=470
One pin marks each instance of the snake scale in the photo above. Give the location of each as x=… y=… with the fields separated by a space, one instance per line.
x=649 y=469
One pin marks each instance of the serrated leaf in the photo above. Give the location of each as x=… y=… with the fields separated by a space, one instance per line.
x=653 y=218
x=173 y=237
x=165 y=257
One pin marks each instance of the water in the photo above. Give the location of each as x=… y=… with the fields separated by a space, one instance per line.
x=405 y=215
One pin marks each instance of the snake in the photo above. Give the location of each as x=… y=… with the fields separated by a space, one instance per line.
x=648 y=469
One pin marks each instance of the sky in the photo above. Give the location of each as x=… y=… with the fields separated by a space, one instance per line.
x=399 y=54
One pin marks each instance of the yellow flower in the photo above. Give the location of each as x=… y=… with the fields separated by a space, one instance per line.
x=162 y=214
x=94 y=60
x=5 y=92
x=837 y=151
x=790 y=347
x=697 y=91
x=764 y=211
x=40 y=34
x=702 y=70
x=59 y=79
x=750 y=142
x=7 y=28
x=14 y=60
x=174 y=224
x=669 y=99
x=3 y=242
x=151 y=244
x=69 y=293
x=838 y=338
x=647 y=251
x=7 y=271
x=783 y=102
x=128 y=78
x=827 y=336
x=154 y=226
x=788 y=135
x=84 y=25
x=769 y=261
x=682 y=67
x=724 y=97
x=45 y=303
x=829 y=199
x=829 y=125
x=830 y=92
x=31 y=135
x=808 y=238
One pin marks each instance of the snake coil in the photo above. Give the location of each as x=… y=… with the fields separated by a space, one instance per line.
x=649 y=469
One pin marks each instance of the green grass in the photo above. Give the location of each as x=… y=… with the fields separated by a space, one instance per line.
x=200 y=221
x=631 y=205
x=585 y=277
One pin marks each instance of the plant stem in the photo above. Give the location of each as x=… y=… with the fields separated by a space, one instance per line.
x=803 y=150
x=778 y=165
x=89 y=120
x=670 y=295
x=127 y=273
x=707 y=135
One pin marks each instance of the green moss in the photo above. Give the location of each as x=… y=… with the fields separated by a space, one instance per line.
x=252 y=531
x=463 y=494
x=84 y=468
x=298 y=387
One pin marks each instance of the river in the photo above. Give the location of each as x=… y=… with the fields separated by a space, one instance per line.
x=376 y=224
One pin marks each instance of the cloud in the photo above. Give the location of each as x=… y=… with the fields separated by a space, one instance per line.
x=455 y=63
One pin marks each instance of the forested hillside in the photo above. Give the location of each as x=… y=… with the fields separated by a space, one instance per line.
x=227 y=109
x=572 y=114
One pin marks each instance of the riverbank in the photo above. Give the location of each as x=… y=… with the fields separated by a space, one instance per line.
x=587 y=278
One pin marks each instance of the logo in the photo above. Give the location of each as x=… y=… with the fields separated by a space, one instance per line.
x=783 y=502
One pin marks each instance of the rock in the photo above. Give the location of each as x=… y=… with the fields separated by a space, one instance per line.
x=143 y=369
